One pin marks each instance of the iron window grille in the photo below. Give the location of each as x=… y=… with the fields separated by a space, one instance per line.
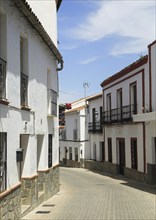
x=3 y=161
x=50 y=150
x=2 y=79
x=24 y=89
x=134 y=157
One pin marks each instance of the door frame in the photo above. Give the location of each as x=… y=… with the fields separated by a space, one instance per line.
x=121 y=166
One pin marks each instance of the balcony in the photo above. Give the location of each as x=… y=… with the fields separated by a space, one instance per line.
x=2 y=79
x=119 y=115
x=95 y=127
x=52 y=102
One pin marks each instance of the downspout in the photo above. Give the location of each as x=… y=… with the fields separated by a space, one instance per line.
x=61 y=65
x=144 y=146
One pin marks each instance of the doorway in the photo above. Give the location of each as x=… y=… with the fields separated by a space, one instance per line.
x=121 y=144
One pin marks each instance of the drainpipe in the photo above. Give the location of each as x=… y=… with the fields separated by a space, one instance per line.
x=61 y=65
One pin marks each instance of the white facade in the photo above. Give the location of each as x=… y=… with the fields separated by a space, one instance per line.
x=75 y=140
x=48 y=18
x=27 y=117
x=96 y=137
x=129 y=116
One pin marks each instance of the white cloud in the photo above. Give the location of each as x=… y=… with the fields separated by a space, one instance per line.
x=134 y=20
x=69 y=47
x=90 y=60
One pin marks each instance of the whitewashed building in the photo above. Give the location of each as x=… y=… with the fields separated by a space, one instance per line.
x=129 y=119
x=29 y=64
x=74 y=147
x=95 y=131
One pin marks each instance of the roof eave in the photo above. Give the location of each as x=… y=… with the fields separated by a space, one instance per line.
x=24 y=7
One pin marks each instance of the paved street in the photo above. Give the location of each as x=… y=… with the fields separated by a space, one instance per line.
x=88 y=195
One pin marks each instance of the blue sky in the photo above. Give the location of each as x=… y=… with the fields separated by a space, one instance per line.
x=99 y=38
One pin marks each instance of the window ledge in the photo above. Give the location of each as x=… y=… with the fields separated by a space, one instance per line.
x=26 y=108
x=4 y=101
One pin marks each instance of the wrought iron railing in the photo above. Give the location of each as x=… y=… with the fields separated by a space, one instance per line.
x=52 y=102
x=119 y=115
x=2 y=79
x=95 y=127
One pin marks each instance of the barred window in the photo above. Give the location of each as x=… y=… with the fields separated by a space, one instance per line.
x=3 y=161
x=50 y=150
x=134 y=157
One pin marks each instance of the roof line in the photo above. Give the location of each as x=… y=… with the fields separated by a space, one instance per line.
x=24 y=7
x=126 y=70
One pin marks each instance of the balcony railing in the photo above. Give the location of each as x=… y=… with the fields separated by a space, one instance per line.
x=119 y=115
x=52 y=102
x=2 y=79
x=95 y=127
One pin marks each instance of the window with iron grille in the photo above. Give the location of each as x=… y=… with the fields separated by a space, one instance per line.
x=70 y=153
x=50 y=150
x=134 y=157
x=109 y=149
x=24 y=90
x=2 y=79
x=24 y=69
x=133 y=98
x=3 y=161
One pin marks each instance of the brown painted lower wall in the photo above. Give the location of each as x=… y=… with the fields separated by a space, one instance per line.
x=102 y=166
x=149 y=178
x=70 y=163
x=151 y=174
x=32 y=192
x=134 y=175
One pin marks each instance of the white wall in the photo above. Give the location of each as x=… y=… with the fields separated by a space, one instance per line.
x=35 y=122
x=153 y=71
x=95 y=139
x=127 y=132
x=46 y=12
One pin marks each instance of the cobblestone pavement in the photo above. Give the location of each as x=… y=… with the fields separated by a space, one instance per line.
x=86 y=195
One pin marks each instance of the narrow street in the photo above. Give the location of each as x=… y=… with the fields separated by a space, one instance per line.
x=88 y=195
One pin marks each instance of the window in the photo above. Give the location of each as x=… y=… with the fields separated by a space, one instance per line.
x=109 y=149
x=70 y=153
x=50 y=150
x=76 y=154
x=75 y=130
x=133 y=98
x=3 y=161
x=119 y=104
x=134 y=157
x=24 y=71
x=2 y=79
x=52 y=102
x=3 y=56
x=108 y=106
